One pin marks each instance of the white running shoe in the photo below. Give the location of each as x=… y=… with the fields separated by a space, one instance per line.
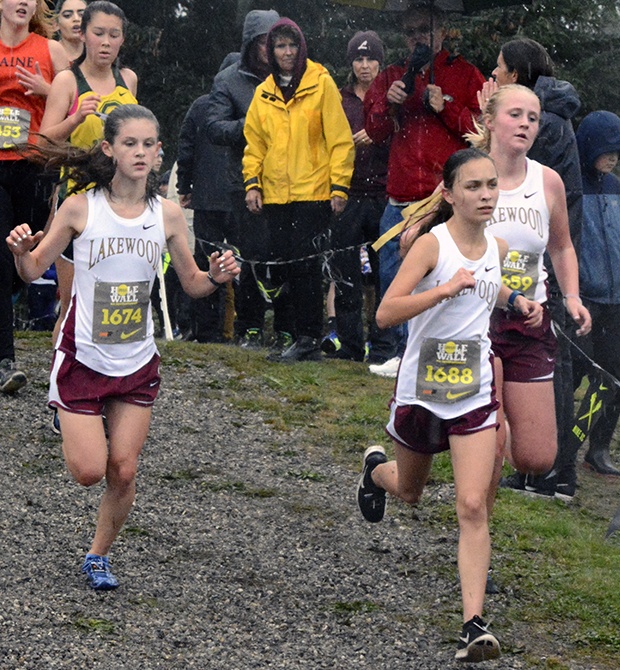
x=387 y=369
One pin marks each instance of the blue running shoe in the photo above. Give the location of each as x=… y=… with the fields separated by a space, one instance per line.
x=56 y=423
x=97 y=569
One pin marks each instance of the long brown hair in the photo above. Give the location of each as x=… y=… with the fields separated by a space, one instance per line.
x=91 y=168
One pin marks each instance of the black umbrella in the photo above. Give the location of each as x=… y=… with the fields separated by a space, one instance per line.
x=463 y=6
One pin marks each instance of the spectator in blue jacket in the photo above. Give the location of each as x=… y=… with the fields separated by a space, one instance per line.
x=598 y=138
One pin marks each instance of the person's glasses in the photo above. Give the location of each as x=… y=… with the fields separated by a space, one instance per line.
x=414 y=31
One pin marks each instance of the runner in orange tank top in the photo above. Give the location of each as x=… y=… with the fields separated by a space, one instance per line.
x=29 y=59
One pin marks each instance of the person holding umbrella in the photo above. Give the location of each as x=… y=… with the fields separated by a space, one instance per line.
x=425 y=103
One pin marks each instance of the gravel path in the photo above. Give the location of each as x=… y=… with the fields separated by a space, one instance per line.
x=244 y=550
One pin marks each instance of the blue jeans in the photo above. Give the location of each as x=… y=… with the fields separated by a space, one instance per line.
x=389 y=264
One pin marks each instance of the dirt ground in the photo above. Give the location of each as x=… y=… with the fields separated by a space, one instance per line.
x=244 y=550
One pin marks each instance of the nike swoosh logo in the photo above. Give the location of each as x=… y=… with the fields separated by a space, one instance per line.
x=122 y=93
x=489 y=269
x=144 y=227
x=124 y=336
x=454 y=396
x=529 y=195
x=464 y=640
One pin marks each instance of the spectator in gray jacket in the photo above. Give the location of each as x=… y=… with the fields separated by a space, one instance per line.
x=231 y=95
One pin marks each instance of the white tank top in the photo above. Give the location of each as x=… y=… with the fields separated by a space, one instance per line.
x=109 y=326
x=446 y=367
x=522 y=219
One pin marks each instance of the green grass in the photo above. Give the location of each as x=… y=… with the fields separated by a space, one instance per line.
x=553 y=555
x=103 y=626
x=558 y=573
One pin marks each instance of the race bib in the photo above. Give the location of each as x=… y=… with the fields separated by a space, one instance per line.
x=14 y=126
x=520 y=272
x=448 y=370
x=120 y=312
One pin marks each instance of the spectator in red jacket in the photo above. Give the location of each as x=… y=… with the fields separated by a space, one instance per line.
x=424 y=103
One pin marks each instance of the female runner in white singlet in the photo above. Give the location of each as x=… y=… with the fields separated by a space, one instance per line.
x=106 y=359
x=446 y=289
x=531 y=215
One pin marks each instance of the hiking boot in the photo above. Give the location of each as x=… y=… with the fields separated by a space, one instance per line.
x=598 y=460
x=253 y=339
x=387 y=369
x=330 y=344
x=97 y=569
x=281 y=341
x=304 y=349
x=370 y=497
x=11 y=379
x=477 y=643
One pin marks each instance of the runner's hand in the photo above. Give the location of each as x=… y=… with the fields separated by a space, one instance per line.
x=531 y=310
x=462 y=279
x=21 y=240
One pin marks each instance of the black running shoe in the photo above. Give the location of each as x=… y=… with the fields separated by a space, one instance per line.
x=566 y=486
x=252 y=339
x=303 y=349
x=515 y=481
x=370 y=497
x=539 y=485
x=477 y=643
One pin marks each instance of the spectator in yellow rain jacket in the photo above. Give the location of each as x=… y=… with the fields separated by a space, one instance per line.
x=297 y=169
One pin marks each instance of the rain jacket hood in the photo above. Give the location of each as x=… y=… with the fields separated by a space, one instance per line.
x=557 y=96
x=556 y=147
x=300 y=150
x=599 y=268
x=257 y=22
x=598 y=134
x=302 y=57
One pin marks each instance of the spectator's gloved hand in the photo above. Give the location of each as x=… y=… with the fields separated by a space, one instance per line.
x=419 y=58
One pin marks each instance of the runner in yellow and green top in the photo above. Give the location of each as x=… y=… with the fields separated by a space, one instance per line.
x=82 y=96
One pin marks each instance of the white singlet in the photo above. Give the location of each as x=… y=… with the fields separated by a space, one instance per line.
x=522 y=219
x=446 y=367
x=109 y=327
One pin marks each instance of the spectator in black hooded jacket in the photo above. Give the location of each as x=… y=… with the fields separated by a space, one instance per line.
x=202 y=185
